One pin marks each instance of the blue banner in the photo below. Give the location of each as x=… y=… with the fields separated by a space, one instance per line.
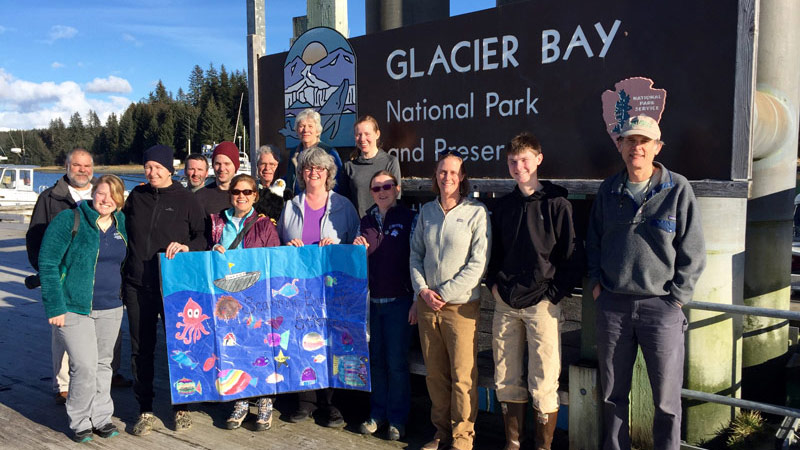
x=262 y=321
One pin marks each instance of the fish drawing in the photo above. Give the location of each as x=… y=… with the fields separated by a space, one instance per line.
x=274 y=378
x=233 y=381
x=185 y=386
x=288 y=290
x=330 y=281
x=261 y=361
x=252 y=323
x=275 y=340
x=319 y=358
x=282 y=359
x=183 y=359
x=209 y=364
x=313 y=341
x=229 y=340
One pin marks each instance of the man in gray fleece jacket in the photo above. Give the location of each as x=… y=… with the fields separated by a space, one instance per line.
x=645 y=253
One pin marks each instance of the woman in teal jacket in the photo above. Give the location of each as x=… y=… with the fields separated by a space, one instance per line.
x=80 y=266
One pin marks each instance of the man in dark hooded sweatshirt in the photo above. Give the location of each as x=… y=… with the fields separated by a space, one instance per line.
x=535 y=262
x=162 y=217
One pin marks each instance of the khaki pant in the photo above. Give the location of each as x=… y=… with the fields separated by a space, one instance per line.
x=511 y=328
x=450 y=348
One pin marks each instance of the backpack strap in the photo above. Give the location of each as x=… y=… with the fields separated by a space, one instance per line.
x=77 y=223
x=241 y=234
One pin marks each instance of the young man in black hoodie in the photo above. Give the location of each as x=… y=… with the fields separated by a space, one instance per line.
x=535 y=262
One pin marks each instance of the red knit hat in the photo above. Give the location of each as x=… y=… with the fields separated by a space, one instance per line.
x=228 y=149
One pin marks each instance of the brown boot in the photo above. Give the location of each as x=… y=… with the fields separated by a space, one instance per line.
x=545 y=427
x=514 y=419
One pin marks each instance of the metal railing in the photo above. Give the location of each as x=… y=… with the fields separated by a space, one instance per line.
x=737 y=402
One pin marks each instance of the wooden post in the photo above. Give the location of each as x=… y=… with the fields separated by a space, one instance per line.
x=585 y=418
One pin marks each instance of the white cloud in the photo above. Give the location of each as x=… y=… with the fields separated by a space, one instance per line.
x=111 y=84
x=56 y=65
x=61 y=32
x=26 y=104
x=130 y=38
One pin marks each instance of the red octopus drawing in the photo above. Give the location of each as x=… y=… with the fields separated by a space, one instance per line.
x=193 y=318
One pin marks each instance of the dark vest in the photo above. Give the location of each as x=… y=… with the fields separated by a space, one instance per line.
x=389 y=252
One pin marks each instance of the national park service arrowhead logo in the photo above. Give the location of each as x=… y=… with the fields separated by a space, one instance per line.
x=631 y=97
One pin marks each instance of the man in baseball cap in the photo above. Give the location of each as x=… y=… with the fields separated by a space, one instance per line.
x=645 y=252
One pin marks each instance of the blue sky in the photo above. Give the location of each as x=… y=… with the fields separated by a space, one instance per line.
x=57 y=58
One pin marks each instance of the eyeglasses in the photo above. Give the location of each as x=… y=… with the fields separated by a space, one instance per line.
x=270 y=165
x=450 y=152
x=384 y=187
x=314 y=169
x=242 y=191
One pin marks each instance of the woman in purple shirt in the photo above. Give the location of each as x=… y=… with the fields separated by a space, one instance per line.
x=318 y=216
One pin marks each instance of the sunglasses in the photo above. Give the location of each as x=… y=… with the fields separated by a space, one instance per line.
x=384 y=187
x=242 y=191
x=450 y=152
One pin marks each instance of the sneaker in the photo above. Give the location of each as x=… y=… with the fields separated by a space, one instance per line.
x=240 y=409
x=144 y=425
x=61 y=398
x=119 y=381
x=396 y=432
x=82 y=436
x=333 y=419
x=368 y=427
x=301 y=415
x=264 y=421
x=183 y=421
x=108 y=430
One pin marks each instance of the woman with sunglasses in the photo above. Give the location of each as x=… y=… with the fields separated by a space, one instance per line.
x=386 y=232
x=318 y=216
x=242 y=227
x=364 y=162
x=449 y=252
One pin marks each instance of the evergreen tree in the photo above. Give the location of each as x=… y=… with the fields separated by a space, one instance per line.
x=56 y=139
x=76 y=133
x=214 y=125
x=127 y=136
x=166 y=128
x=196 y=86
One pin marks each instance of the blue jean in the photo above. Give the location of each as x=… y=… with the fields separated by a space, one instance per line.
x=625 y=322
x=390 y=337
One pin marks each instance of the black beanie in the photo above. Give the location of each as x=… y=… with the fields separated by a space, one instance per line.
x=161 y=154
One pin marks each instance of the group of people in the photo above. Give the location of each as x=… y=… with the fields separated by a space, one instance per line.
x=644 y=252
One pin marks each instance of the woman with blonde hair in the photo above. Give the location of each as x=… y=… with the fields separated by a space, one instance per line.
x=80 y=267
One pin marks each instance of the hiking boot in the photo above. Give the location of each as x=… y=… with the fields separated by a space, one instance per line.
x=333 y=418
x=119 y=381
x=240 y=410
x=369 y=427
x=264 y=421
x=301 y=415
x=396 y=432
x=61 y=397
x=183 y=421
x=82 y=436
x=108 y=430
x=144 y=425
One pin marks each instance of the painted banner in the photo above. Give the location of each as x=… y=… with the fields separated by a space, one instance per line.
x=265 y=321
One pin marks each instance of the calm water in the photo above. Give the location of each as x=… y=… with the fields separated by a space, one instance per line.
x=44 y=180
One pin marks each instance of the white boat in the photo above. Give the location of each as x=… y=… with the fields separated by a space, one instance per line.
x=16 y=185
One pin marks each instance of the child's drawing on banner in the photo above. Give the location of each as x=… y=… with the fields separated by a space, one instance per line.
x=266 y=320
